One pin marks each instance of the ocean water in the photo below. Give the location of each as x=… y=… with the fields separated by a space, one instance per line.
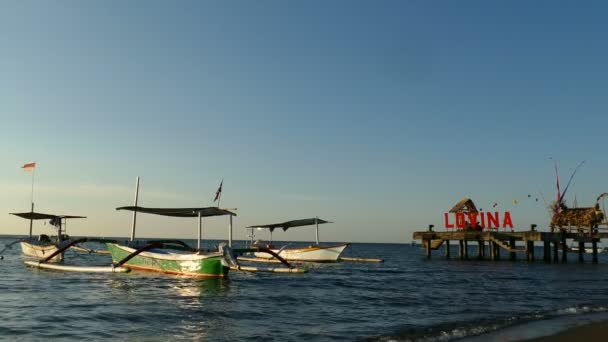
x=406 y=298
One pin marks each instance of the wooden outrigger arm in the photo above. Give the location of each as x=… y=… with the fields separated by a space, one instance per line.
x=264 y=250
x=72 y=243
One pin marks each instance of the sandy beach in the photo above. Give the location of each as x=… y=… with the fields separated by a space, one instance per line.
x=597 y=331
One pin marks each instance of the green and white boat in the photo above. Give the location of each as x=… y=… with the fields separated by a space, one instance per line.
x=170 y=257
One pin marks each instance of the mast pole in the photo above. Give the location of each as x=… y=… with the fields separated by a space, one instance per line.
x=59 y=231
x=229 y=231
x=32 y=202
x=317 y=222
x=31 y=220
x=200 y=230
x=135 y=211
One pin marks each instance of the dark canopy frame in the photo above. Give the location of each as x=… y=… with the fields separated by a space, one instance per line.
x=180 y=212
x=55 y=220
x=185 y=212
x=292 y=224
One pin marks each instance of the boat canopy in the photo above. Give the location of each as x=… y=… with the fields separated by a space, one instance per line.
x=180 y=212
x=291 y=224
x=30 y=215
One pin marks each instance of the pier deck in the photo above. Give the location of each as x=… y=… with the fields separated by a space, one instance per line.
x=508 y=241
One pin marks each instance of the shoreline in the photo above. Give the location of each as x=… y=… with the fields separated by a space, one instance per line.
x=593 y=331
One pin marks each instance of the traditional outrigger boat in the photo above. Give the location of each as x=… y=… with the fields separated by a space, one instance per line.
x=169 y=256
x=176 y=257
x=314 y=253
x=179 y=260
x=43 y=246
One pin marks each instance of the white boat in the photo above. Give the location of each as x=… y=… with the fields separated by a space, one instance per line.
x=313 y=253
x=32 y=248
x=43 y=246
x=310 y=253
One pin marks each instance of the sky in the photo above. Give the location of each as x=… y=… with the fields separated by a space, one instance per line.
x=376 y=115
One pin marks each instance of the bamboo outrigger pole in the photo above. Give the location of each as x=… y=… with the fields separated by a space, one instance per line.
x=134 y=211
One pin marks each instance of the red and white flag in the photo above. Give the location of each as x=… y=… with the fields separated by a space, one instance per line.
x=29 y=166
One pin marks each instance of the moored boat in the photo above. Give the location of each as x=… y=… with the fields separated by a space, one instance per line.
x=44 y=246
x=164 y=258
x=172 y=262
x=313 y=253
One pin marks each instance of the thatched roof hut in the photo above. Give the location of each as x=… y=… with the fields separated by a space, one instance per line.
x=466 y=205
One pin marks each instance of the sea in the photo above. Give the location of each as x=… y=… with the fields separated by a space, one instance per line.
x=404 y=298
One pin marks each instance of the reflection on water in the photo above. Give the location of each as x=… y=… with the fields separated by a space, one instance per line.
x=200 y=287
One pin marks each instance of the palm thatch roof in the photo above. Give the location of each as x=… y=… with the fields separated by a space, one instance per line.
x=466 y=205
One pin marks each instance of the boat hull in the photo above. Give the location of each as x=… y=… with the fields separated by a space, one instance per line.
x=310 y=254
x=40 y=251
x=207 y=265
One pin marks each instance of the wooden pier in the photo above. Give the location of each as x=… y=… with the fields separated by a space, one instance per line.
x=553 y=243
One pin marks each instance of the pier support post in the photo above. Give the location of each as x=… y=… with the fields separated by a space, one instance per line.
x=492 y=249
x=564 y=250
x=447 y=249
x=428 y=248
x=512 y=255
x=594 y=246
x=547 y=251
x=555 y=251
x=480 y=249
x=461 y=249
x=531 y=250
x=581 y=250
x=497 y=251
x=466 y=249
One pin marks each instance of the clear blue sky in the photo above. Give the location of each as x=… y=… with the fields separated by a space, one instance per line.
x=376 y=115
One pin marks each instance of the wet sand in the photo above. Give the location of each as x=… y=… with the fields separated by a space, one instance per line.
x=597 y=331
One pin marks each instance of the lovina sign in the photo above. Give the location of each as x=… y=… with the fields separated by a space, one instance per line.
x=466 y=216
x=478 y=220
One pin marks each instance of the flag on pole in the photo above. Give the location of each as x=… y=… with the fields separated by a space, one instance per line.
x=218 y=193
x=29 y=166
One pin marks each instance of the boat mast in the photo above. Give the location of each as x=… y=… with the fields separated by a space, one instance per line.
x=230 y=232
x=200 y=230
x=32 y=220
x=134 y=211
x=59 y=231
x=317 y=222
x=32 y=201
